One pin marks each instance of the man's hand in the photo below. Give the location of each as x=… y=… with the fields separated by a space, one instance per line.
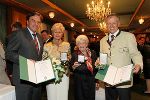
x=97 y=86
x=97 y=62
x=136 y=69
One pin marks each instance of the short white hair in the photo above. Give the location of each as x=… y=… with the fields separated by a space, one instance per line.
x=82 y=39
x=112 y=15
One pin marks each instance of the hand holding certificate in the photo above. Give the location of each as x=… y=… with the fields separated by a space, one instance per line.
x=113 y=75
x=102 y=61
x=36 y=72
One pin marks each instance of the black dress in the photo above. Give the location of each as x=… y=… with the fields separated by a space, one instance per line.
x=146 y=60
x=84 y=80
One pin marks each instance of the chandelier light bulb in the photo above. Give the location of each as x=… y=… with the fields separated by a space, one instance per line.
x=92 y=2
x=51 y=14
x=108 y=4
x=87 y=5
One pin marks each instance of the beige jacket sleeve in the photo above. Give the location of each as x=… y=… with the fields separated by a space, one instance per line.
x=134 y=53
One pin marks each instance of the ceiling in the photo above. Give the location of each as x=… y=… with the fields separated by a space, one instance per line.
x=68 y=11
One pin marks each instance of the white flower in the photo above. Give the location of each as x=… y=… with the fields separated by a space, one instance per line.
x=54 y=60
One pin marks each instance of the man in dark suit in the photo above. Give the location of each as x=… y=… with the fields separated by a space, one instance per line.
x=46 y=37
x=23 y=43
x=9 y=65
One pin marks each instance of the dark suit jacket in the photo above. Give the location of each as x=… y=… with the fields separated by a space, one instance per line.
x=9 y=64
x=21 y=43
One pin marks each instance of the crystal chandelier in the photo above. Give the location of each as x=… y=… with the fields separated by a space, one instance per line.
x=97 y=10
x=102 y=26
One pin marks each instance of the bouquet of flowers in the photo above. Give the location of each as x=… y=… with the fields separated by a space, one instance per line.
x=59 y=67
x=59 y=70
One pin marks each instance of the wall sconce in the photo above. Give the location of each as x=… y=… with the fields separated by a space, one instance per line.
x=141 y=21
x=72 y=24
x=51 y=14
x=82 y=29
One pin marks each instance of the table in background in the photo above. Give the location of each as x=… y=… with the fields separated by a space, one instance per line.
x=7 y=92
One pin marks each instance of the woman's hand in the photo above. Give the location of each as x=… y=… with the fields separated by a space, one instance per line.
x=76 y=64
x=68 y=57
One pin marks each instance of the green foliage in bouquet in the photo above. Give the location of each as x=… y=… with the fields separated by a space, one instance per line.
x=101 y=66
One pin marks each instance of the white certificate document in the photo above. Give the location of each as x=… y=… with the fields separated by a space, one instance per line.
x=123 y=74
x=44 y=71
x=36 y=72
x=110 y=75
x=116 y=75
x=103 y=58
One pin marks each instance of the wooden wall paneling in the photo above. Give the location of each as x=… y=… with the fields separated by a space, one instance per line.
x=18 y=16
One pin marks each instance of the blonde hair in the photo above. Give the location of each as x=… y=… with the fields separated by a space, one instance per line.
x=57 y=26
x=82 y=39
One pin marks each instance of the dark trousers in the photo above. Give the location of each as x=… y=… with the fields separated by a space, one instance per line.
x=27 y=92
x=113 y=93
x=84 y=86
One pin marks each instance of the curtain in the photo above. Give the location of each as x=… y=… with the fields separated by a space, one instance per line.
x=2 y=23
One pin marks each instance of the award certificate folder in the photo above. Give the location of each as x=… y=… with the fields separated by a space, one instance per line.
x=35 y=72
x=113 y=75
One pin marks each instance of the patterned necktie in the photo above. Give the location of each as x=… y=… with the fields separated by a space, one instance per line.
x=112 y=38
x=36 y=42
